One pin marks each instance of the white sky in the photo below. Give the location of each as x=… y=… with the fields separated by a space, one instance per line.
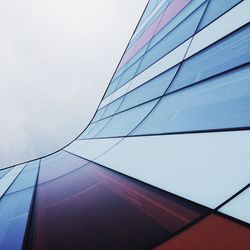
x=56 y=59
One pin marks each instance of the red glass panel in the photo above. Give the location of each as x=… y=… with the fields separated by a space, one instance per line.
x=214 y=232
x=96 y=208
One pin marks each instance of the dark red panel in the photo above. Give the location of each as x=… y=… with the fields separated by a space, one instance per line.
x=95 y=208
x=212 y=233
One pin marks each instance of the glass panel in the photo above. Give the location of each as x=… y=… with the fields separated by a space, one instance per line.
x=8 y=178
x=94 y=202
x=112 y=107
x=128 y=74
x=213 y=232
x=132 y=60
x=112 y=86
x=221 y=102
x=26 y=179
x=13 y=217
x=190 y=8
x=122 y=123
x=239 y=207
x=4 y=171
x=149 y=23
x=88 y=130
x=181 y=33
x=215 y=9
x=50 y=170
x=94 y=128
x=99 y=114
x=228 y=53
x=150 y=90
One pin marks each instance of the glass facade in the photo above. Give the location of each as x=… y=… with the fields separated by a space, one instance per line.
x=164 y=163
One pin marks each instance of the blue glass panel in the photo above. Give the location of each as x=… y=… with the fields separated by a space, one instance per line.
x=112 y=107
x=88 y=130
x=230 y=52
x=98 y=126
x=55 y=157
x=112 y=86
x=122 y=123
x=181 y=33
x=191 y=7
x=99 y=114
x=221 y=102
x=132 y=60
x=150 y=90
x=13 y=217
x=26 y=179
x=129 y=74
x=215 y=9
x=157 y=14
x=4 y=171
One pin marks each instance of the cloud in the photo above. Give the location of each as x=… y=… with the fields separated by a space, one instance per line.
x=57 y=57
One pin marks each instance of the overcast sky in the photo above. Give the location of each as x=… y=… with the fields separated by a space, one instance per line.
x=56 y=59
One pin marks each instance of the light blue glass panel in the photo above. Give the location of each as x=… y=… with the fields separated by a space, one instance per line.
x=112 y=86
x=99 y=114
x=112 y=107
x=152 y=19
x=4 y=171
x=13 y=218
x=133 y=59
x=150 y=7
x=56 y=157
x=87 y=130
x=129 y=74
x=122 y=123
x=181 y=33
x=149 y=90
x=26 y=179
x=218 y=103
x=98 y=127
x=215 y=9
x=228 y=53
x=190 y=8
x=239 y=207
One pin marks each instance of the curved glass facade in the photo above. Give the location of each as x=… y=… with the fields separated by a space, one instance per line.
x=164 y=163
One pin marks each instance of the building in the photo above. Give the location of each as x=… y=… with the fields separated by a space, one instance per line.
x=165 y=161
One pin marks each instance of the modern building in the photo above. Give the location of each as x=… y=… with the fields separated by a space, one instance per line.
x=165 y=161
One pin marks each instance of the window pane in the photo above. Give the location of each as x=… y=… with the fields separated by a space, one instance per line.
x=221 y=102
x=13 y=217
x=228 y=53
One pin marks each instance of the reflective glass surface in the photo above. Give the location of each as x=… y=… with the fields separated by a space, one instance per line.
x=100 y=209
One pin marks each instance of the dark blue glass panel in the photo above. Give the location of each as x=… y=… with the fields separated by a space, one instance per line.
x=215 y=9
x=149 y=90
x=13 y=218
x=26 y=179
x=181 y=33
x=218 y=103
x=227 y=53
